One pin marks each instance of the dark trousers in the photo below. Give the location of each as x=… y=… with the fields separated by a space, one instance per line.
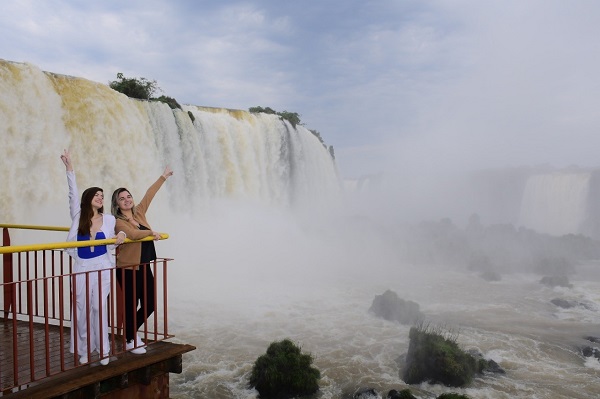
x=138 y=289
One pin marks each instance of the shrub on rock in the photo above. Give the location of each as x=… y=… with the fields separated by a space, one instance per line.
x=436 y=358
x=284 y=372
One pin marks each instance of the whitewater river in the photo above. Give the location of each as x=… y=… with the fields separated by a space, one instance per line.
x=232 y=314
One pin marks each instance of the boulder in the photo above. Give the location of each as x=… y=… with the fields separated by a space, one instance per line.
x=485 y=365
x=390 y=307
x=567 y=304
x=556 y=281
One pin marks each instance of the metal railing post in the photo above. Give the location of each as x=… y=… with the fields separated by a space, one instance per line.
x=7 y=275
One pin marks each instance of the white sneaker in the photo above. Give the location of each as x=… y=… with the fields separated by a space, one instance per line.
x=130 y=346
x=104 y=361
x=139 y=342
x=83 y=359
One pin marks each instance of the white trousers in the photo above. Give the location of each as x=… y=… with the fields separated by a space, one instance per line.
x=95 y=292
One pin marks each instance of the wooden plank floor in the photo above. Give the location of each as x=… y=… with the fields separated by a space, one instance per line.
x=44 y=361
x=128 y=369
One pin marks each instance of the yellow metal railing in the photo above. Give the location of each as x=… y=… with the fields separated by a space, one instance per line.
x=60 y=245
x=33 y=227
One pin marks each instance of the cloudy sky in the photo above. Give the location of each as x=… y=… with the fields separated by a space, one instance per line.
x=391 y=84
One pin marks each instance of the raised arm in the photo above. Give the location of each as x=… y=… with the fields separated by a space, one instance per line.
x=74 y=201
x=144 y=204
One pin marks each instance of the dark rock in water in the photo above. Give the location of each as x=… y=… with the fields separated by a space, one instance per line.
x=390 y=307
x=486 y=365
x=566 y=304
x=403 y=394
x=587 y=351
x=479 y=262
x=366 y=393
x=558 y=266
x=490 y=275
x=591 y=351
x=563 y=303
x=493 y=367
x=556 y=281
x=485 y=267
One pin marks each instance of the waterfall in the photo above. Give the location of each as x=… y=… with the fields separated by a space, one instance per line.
x=556 y=203
x=218 y=154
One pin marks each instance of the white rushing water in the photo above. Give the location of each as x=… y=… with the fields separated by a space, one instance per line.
x=262 y=255
x=555 y=203
x=233 y=315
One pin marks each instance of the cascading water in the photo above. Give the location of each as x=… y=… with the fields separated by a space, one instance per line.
x=222 y=154
x=556 y=203
x=247 y=271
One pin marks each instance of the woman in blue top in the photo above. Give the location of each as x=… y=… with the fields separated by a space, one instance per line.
x=89 y=222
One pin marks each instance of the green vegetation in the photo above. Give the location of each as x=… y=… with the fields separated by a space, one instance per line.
x=142 y=89
x=263 y=110
x=171 y=102
x=435 y=356
x=292 y=117
x=284 y=372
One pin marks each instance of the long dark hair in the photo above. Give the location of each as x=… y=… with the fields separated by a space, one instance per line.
x=114 y=204
x=87 y=212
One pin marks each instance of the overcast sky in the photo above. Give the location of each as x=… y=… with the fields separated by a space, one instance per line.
x=391 y=84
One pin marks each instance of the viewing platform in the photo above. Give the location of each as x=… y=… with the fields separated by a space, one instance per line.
x=35 y=330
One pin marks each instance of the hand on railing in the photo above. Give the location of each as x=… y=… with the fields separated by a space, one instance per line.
x=121 y=236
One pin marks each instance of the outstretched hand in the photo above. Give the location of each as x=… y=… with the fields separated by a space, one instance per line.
x=168 y=172
x=66 y=158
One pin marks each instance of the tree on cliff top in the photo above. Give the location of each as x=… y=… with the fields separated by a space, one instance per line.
x=141 y=88
x=292 y=117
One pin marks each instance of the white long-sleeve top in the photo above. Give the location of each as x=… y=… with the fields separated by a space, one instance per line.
x=108 y=228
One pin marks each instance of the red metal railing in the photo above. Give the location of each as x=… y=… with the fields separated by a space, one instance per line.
x=36 y=328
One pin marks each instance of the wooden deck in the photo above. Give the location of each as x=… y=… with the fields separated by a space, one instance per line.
x=43 y=375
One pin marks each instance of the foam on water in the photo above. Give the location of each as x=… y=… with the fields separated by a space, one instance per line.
x=511 y=322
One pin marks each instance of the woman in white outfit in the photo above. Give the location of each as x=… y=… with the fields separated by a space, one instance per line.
x=90 y=223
